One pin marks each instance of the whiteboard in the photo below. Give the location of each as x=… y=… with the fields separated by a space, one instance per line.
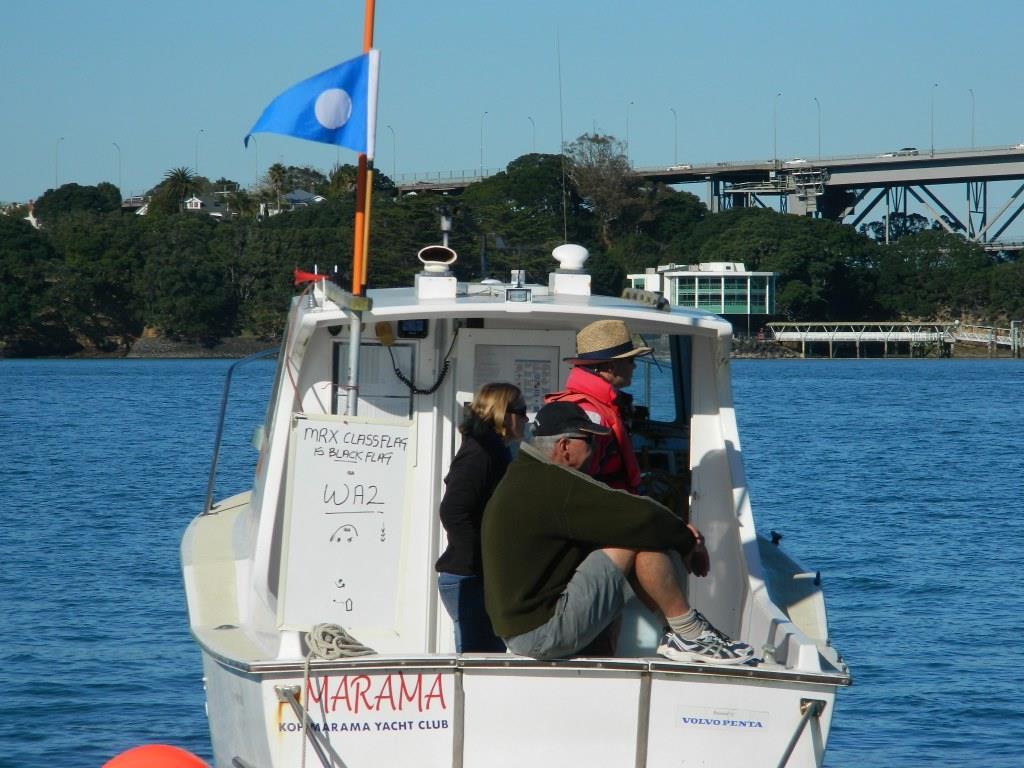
x=344 y=517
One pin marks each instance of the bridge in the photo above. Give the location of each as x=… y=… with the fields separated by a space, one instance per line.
x=899 y=335
x=845 y=188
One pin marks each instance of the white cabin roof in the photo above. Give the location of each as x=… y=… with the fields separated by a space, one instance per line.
x=477 y=300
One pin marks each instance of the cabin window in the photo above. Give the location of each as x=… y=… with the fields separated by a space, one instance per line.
x=661 y=380
x=660 y=427
x=532 y=360
x=381 y=393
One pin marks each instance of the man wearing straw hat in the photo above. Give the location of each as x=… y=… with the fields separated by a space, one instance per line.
x=603 y=366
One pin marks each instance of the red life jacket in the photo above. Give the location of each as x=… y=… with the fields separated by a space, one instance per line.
x=613 y=461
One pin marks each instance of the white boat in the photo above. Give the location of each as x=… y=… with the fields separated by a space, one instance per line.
x=341 y=527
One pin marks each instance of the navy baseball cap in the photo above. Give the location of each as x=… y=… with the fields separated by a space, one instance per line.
x=562 y=418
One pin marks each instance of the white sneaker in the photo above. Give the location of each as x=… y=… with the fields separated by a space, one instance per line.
x=710 y=647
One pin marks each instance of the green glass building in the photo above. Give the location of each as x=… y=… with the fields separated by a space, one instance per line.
x=746 y=299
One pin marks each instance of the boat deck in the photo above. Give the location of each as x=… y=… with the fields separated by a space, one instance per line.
x=246 y=657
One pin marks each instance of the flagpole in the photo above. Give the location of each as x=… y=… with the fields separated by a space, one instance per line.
x=357 y=234
x=366 y=227
x=360 y=239
x=368 y=25
x=364 y=187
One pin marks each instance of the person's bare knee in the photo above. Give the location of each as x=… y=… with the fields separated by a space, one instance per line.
x=657 y=576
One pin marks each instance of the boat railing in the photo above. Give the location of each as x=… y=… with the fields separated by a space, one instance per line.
x=208 y=504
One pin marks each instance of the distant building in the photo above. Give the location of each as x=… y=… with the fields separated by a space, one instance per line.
x=746 y=299
x=300 y=198
x=134 y=204
x=31 y=218
x=213 y=205
x=297 y=198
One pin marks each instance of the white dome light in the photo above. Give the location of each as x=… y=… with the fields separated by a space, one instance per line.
x=571 y=256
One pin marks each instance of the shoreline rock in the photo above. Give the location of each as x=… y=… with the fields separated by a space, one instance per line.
x=232 y=347
x=754 y=349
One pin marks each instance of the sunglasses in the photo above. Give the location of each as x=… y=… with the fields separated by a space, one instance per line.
x=518 y=411
x=588 y=439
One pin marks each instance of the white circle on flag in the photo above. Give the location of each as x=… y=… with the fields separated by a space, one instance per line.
x=333 y=108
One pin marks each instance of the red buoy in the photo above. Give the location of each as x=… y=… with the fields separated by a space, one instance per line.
x=155 y=756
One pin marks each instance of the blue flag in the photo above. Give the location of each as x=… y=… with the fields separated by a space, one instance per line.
x=338 y=106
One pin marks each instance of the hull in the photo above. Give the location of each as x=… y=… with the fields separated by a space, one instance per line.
x=510 y=711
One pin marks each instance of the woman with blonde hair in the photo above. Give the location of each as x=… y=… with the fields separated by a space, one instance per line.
x=495 y=418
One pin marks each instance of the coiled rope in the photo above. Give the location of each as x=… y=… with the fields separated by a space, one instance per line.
x=330 y=642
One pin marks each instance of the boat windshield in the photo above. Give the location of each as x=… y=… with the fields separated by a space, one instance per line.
x=661 y=382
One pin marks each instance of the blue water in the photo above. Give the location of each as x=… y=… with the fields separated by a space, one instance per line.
x=899 y=480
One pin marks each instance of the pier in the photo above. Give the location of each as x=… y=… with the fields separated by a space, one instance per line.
x=895 y=337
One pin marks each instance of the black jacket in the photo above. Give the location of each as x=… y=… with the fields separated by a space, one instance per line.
x=540 y=524
x=475 y=471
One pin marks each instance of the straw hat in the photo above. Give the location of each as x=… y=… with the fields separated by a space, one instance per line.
x=605 y=340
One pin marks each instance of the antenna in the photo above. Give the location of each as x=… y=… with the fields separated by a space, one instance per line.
x=561 y=138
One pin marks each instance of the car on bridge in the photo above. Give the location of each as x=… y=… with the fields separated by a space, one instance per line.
x=902 y=152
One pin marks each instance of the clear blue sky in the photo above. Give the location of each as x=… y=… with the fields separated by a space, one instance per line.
x=165 y=79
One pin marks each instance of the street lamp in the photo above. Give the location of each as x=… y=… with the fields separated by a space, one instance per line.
x=56 y=163
x=675 y=136
x=533 y=125
x=118 y=168
x=775 y=129
x=482 y=144
x=394 y=154
x=818 y=105
x=256 y=160
x=197 y=150
x=971 y=91
x=630 y=104
x=931 y=121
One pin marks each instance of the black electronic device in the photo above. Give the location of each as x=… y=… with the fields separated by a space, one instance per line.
x=413 y=329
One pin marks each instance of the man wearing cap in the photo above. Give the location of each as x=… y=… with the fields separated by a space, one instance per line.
x=603 y=366
x=559 y=547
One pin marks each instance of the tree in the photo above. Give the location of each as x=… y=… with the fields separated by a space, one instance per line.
x=69 y=198
x=515 y=218
x=242 y=202
x=1006 y=292
x=601 y=172
x=170 y=194
x=102 y=259
x=27 y=264
x=186 y=285
x=934 y=274
x=823 y=267
x=276 y=178
x=900 y=224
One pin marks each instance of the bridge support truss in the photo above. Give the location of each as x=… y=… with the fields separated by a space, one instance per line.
x=977 y=224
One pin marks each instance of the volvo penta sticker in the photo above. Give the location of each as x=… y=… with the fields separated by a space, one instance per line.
x=722 y=718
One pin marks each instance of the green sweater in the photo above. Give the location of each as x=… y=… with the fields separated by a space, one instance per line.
x=540 y=524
